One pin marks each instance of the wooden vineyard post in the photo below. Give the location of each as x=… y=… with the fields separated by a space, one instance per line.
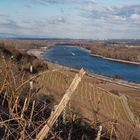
x=59 y=109
x=99 y=133
x=31 y=69
x=31 y=82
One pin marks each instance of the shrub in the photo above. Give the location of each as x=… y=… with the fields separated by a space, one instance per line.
x=117 y=76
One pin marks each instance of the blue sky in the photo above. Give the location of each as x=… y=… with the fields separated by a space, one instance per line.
x=85 y=19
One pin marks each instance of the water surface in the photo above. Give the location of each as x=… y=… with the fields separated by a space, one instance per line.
x=77 y=57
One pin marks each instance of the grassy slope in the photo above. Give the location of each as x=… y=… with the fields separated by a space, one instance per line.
x=15 y=118
x=92 y=101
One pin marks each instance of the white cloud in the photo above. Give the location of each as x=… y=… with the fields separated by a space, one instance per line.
x=120 y=13
x=57 y=20
x=135 y=17
x=4 y=21
x=94 y=1
x=120 y=18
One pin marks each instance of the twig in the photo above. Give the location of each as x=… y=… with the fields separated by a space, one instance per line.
x=15 y=104
x=23 y=108
x=4 y=98
x=32 y=111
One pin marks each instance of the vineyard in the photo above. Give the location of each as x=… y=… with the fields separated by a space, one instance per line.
x=94 y=103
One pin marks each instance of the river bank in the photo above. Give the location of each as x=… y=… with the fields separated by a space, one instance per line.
x=39 y=54
x=117 y=60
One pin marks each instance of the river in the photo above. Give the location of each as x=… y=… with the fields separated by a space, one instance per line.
x=76 y=57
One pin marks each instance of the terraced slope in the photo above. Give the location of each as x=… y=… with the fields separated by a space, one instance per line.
x=92 y=102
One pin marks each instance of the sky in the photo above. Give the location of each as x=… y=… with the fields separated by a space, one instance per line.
x=76 y=19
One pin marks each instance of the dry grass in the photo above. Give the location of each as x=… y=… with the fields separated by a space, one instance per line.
x=23 y=112
x=16 y=105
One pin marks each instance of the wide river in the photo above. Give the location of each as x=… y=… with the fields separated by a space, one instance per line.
x=77 y=57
